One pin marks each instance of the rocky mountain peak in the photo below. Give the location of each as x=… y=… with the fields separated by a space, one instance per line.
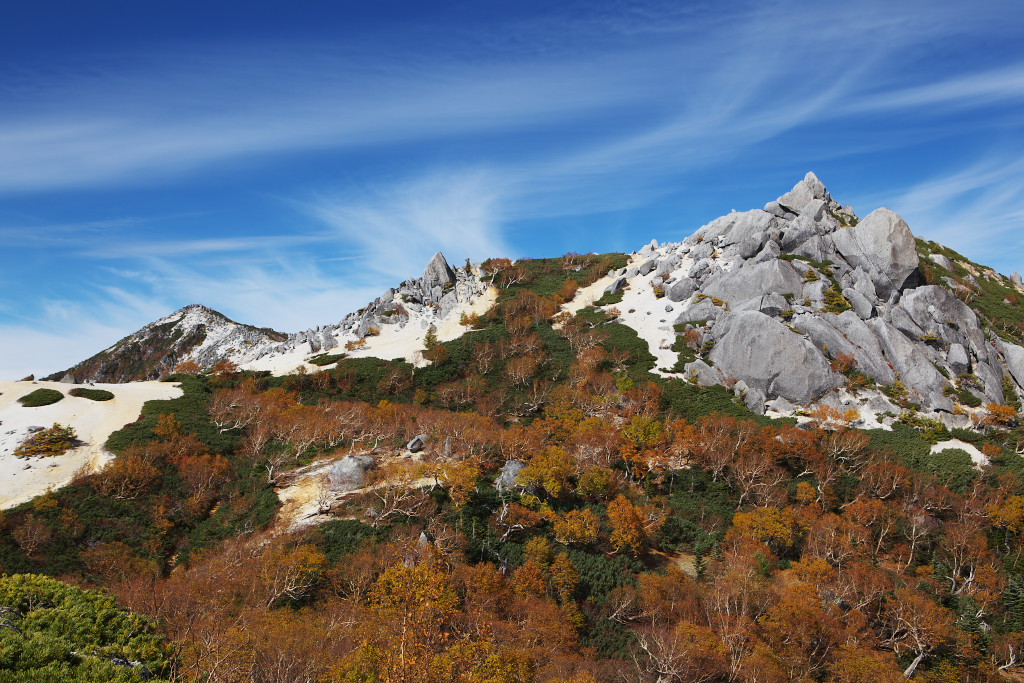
x=787 y=299
x=807 y=190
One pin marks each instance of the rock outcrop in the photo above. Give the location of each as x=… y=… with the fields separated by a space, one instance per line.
x=350 y=472
x=883 y=246
x=787 y=296
x=426 y=300
x=199 y=334
x=771 y=358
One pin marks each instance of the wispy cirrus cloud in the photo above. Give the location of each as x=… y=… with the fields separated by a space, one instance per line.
x=202 y=247
x=977 y=210
x=457 y=141
x=696 y=75
x=398 y=227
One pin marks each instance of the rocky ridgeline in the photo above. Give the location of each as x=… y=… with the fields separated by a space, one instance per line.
x=421 y=301
x=779 y=295
x=207 y=337
x=193 y=333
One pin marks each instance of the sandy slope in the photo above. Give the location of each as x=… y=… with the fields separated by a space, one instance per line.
x=308 y=488
x=93 y=421
x=285 y=363
x=586 y=296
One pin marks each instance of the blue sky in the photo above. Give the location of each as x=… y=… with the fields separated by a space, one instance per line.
x=284 y=165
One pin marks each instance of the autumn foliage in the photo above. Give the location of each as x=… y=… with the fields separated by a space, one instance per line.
x=564 y=516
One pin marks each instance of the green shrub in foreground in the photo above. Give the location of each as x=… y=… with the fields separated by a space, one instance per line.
x=56 y=632
x=40 y=397
x=91 y=394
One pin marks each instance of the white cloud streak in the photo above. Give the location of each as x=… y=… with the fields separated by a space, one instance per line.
x=399 y=228
x=602 y=128
x=977 y=210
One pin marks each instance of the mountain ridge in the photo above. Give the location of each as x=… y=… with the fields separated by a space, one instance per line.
x=799 y=303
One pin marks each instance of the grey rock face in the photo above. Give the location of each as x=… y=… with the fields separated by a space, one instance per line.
x=704 y=374
x=902 y=321
x=914 y=366
x=350 y=472
x=815 y=247
x=750 y=246
x=957 y=359
x=991 y=382
x=438 y=272
x=755 y=280
x=808 y=189
x=508 y=479
x=616 y=287
x=702 y=252
x=753 y=399
x=861 y=281
x=935 y=308
x=705 y=310
x=771 y=358
x=796 y=232
x=666 y=266
x=840 y=336
x=773 y=304
x=814 y=209
x=781 y=405
x=770 y=252
x=770 y=304
x=1014 y=357
x=417 y=443
x=883 y=246
x=861 y=306
x=681 y=290
x=955 y=421
x=699 y=270
x=815 y=291
x=748 y=225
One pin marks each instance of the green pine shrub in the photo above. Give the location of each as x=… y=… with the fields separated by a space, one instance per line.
x=91 y=394
x=40 y=397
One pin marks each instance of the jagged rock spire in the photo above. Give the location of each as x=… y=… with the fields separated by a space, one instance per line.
x=438 y=272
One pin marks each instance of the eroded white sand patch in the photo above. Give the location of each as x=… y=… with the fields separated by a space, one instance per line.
x=22 y=479
x=977 y=457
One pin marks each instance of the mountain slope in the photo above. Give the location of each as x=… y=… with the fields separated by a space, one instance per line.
x=391 y=326
x=194 y=333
